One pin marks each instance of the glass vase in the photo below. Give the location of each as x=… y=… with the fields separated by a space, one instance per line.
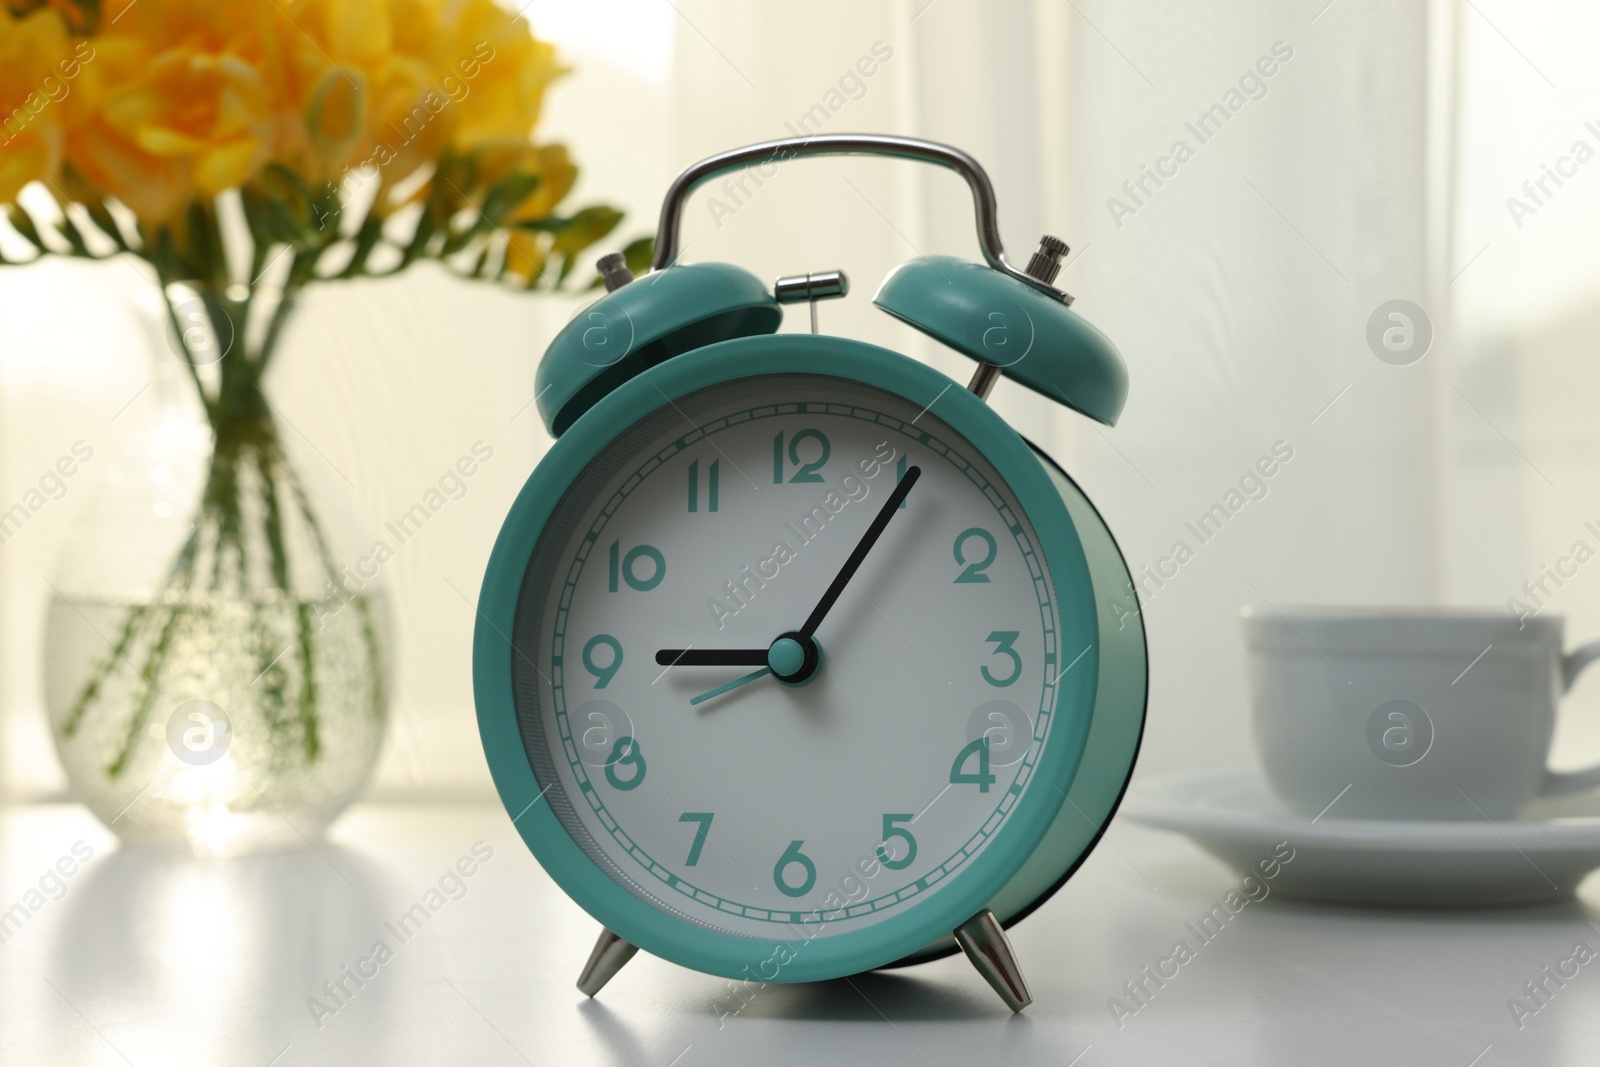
x=216 y=650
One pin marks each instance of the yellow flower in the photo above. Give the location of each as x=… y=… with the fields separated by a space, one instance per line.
x=34 y=56
x=71 y=11
x=175 y=101
x=503 y=69
x=497 y=72
x=550 y=163
x=352 y=90
x=179 y=104
x=408 y=80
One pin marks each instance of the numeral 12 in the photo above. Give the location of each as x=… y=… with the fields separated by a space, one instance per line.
x=806 y=471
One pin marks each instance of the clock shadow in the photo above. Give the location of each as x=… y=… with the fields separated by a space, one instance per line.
x=623 y=1042
x=874 y=997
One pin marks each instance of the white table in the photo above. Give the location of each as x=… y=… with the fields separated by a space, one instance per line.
x=149 y=960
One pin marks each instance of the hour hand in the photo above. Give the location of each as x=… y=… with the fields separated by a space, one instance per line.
x=712 y=657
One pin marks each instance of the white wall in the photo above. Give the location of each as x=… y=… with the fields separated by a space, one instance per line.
x=1239 y=292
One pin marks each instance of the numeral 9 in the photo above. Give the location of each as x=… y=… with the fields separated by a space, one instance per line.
x=602 y=675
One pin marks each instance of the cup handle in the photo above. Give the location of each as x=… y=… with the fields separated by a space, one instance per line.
x=1558 y=783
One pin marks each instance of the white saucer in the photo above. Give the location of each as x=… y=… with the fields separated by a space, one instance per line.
x=1233 y=814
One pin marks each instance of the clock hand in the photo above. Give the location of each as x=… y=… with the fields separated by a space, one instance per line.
x=853 y=564
x=736 y=683
x=760 y=657
x=711 y=657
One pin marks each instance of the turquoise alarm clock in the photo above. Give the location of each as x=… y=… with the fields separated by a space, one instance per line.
x=794 y=660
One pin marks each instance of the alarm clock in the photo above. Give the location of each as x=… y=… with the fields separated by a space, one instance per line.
x=793 y=659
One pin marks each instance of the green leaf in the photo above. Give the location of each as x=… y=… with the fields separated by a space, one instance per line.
x=639 y=254
x=70 y=233
x=101 y=215
x=503 y=197
x=548 y=224
x=23 y=223
x=367 y=238
x=287 y=209
x=582 y=230
x=170 y=264
x=456 y=238
x=452 y=174
x=420 y=237
x=585 y=228
x=284 y=187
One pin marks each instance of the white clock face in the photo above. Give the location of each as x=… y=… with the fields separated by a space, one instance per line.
x=715 y=526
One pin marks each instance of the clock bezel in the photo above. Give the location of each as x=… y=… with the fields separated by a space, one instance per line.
x=966 y=892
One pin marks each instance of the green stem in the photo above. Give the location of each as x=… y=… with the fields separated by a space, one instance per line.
x=188 y=359
x=222 y=499
x=305 y=626
x=152 y=675
x=272 y=474
x=244 y=436
x=127 y=638
x=369 y=625
x=182 y=568
x=275 y=324
x=91 y=688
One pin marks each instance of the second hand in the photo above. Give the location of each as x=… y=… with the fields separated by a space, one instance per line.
x=736 y=683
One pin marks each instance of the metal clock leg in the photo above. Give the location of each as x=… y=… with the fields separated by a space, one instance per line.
x=609 y=955
x=987 y=946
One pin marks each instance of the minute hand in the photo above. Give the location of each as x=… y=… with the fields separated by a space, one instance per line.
x=853 y=564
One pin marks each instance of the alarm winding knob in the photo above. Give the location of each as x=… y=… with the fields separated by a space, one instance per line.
x=1045 y=263
x=614 y=271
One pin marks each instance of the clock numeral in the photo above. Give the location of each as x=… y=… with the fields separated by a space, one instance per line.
x=626 y=567
x=982 y=779
x=974 y=571
x=900 y=476
x=713 y=477
x=602 y=675
x=806 y=471
x=1002 y=641
x=625 y=753
x=704 y=819
x=891 y=831
x=790 y=857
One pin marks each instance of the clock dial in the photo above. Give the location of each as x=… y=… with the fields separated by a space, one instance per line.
x=753 y=781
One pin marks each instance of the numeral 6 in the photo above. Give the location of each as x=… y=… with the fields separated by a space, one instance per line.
x=791 y=856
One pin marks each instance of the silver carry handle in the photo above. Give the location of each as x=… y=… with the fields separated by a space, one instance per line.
x=847 y=144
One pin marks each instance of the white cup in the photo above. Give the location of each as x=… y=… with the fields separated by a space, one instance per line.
x=1409 y=713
